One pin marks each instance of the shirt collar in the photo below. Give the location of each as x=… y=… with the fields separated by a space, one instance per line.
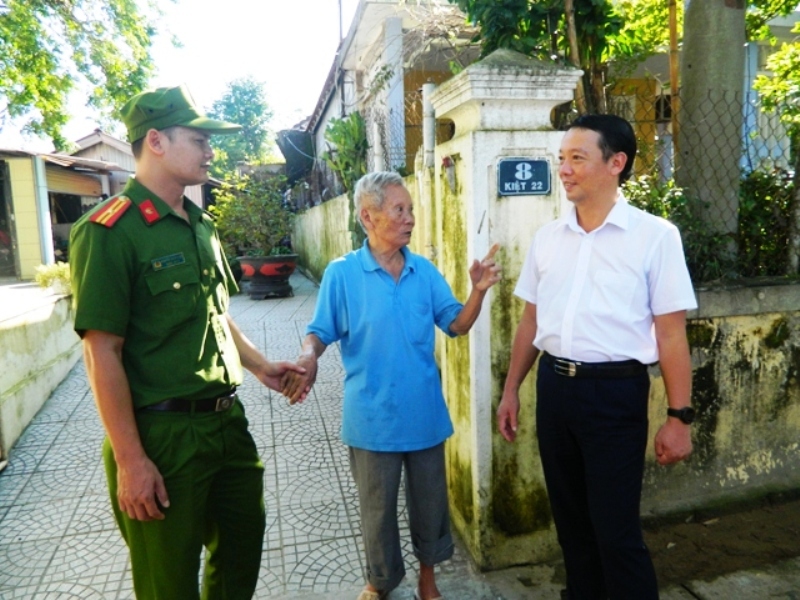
x=368 y=262
x=619 y=215
x=154 y=208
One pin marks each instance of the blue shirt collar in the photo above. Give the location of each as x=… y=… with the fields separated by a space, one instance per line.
x=368 y=262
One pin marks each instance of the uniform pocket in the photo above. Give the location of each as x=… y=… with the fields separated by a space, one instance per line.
x=174 y=293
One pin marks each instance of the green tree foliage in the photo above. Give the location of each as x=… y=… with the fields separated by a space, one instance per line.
x=245 y=103
x=48 y=46
x=644 y=31
x=626 y=30
x=781 y=90
x=761 y=12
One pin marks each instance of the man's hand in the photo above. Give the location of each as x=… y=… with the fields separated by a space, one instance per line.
x=140 y=490
x=486 y=273
x=673 y=442
x=271 y=374
x=507 y=415
x=296 y=386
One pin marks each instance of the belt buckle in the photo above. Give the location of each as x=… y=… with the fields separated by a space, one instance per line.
x=567 y=368
x=224 y=403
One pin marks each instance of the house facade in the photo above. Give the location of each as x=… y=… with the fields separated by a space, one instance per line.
x=390 y=51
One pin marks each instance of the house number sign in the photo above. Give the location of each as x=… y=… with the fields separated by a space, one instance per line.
x=523 y=177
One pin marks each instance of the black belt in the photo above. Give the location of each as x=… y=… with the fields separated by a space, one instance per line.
x=218 y=404
x=596 y=370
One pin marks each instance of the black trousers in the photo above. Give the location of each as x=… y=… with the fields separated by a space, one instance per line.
x=592 y=439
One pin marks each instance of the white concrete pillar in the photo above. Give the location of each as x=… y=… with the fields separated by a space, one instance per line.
x=501 y=109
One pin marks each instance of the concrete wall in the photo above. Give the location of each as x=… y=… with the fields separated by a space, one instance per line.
x=38 y=347
x=321 y=234
x=745 y=345
x=745 y=340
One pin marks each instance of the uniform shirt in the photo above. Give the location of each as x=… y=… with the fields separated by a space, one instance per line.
x=393 y=398
x=596 y=293
x=163 y=284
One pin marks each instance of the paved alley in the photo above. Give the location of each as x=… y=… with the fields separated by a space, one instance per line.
x=58 y=540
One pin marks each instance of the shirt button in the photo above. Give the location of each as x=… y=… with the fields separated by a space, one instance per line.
x=205 y=272
x=176 y=285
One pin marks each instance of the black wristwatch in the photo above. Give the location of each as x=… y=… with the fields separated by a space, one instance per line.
x=685 y=414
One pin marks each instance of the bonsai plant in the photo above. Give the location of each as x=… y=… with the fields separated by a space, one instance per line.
x=255 y=227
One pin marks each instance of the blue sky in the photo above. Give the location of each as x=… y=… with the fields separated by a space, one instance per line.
x=286 y=44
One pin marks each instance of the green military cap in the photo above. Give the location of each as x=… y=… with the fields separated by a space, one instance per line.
x=166 y=107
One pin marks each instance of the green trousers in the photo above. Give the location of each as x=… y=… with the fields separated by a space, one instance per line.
x=215 y=482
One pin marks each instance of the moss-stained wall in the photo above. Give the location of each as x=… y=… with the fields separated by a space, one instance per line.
x=746 y=388
x=746 y=376
x=320 y=235
x=455 y=361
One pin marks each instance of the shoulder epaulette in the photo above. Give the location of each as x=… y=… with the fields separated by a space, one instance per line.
x=111 y=212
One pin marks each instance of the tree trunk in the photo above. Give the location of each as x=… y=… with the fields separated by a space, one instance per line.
x=712 y=82
x=574 y=55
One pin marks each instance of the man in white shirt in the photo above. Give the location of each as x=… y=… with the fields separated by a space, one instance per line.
x=606 y=290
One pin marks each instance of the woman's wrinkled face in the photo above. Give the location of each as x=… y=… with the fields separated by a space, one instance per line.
x=393 y=223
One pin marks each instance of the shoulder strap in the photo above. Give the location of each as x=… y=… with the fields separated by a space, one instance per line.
x=111 y=212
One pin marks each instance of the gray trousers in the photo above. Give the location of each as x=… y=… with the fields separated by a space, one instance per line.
x=377 y=477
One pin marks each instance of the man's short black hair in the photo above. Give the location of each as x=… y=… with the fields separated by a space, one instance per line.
x=616 y=135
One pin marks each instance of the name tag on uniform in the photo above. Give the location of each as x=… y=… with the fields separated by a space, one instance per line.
x=165 y=262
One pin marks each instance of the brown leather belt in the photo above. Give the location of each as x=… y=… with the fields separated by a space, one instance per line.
x=218 y=404
x=596 y=370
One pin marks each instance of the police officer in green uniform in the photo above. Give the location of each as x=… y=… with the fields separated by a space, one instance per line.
x=151 y=287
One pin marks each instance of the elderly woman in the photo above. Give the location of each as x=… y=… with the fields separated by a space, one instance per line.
x=381 y=303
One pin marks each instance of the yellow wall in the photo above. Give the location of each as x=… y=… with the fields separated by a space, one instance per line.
x=641 y=95
x=23 y=193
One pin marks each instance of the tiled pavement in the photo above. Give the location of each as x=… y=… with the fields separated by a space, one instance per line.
x=57 y=533
x=58 y=540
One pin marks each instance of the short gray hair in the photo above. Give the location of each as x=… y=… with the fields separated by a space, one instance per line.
x=371 y=189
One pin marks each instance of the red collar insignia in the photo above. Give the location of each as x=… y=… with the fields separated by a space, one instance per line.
x=149 y=212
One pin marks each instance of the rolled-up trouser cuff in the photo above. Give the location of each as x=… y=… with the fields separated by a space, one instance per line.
x=432 y=553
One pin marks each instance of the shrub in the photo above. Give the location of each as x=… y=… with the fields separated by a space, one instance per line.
x=766 y=198
x=54 y=276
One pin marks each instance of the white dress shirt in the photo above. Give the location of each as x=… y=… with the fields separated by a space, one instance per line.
x=596 y=293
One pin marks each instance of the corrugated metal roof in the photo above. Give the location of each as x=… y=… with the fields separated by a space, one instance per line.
x=64 y=160
x=79 y=163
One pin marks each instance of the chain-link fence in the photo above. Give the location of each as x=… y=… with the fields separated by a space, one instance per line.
x=723 y=172
x=714 y=164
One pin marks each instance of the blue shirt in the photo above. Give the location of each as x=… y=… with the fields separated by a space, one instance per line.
x=393 y=398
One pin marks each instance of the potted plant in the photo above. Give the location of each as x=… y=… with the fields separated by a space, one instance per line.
x=255 y=226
